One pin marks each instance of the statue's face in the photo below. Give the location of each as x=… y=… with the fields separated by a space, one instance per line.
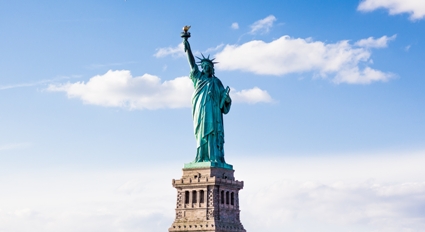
x=207 y=68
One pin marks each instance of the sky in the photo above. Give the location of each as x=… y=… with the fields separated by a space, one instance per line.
x=326 y=129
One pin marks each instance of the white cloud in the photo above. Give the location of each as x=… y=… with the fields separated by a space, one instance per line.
x=409 y=189
x=416 y=8
x=296 y=55
x=251 y=96
x=177 y=51
x=121 y=89
x=235 y=26
x=375 y=43
x=355 y=75
x=263 y=25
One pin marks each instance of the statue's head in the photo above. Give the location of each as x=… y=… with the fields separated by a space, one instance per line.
x=207 y=65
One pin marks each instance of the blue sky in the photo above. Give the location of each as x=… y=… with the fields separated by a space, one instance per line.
x=327 y=122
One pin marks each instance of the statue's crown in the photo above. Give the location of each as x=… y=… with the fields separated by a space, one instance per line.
x=206 y=59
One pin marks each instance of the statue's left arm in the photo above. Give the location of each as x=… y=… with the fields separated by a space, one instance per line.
x=226 y=101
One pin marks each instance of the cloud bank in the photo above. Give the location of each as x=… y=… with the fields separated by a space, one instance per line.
x=415 y=8
x=356 y=193
x=342 y=62
x=121 y=89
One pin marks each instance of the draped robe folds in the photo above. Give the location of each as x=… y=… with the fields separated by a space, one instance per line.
x=208 y=116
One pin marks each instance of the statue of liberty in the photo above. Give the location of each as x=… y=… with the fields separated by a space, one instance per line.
x=210 y=101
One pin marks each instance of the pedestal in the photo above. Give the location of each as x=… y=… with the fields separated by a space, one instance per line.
x=207 y=200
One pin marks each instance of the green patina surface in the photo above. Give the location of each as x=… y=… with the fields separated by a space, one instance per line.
x=208 y=164
x=210 y=101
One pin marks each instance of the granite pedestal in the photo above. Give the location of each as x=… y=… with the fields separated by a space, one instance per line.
x=207 y=200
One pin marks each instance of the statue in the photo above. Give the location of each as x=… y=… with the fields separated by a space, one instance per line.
x=210 y=101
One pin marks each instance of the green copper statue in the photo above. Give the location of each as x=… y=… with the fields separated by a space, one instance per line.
x=210 y=101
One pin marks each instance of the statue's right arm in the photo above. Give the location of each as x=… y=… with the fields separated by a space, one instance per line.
x=190 y=57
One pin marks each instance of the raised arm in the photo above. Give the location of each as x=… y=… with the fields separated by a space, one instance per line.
x=189 y=53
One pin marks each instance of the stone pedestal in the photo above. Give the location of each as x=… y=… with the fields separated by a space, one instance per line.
x=207 y=200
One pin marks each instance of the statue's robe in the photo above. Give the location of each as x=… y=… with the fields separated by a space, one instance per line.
x=208 y=116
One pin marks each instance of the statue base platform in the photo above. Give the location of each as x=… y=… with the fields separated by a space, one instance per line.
x=207 y=200
x=208 y=164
